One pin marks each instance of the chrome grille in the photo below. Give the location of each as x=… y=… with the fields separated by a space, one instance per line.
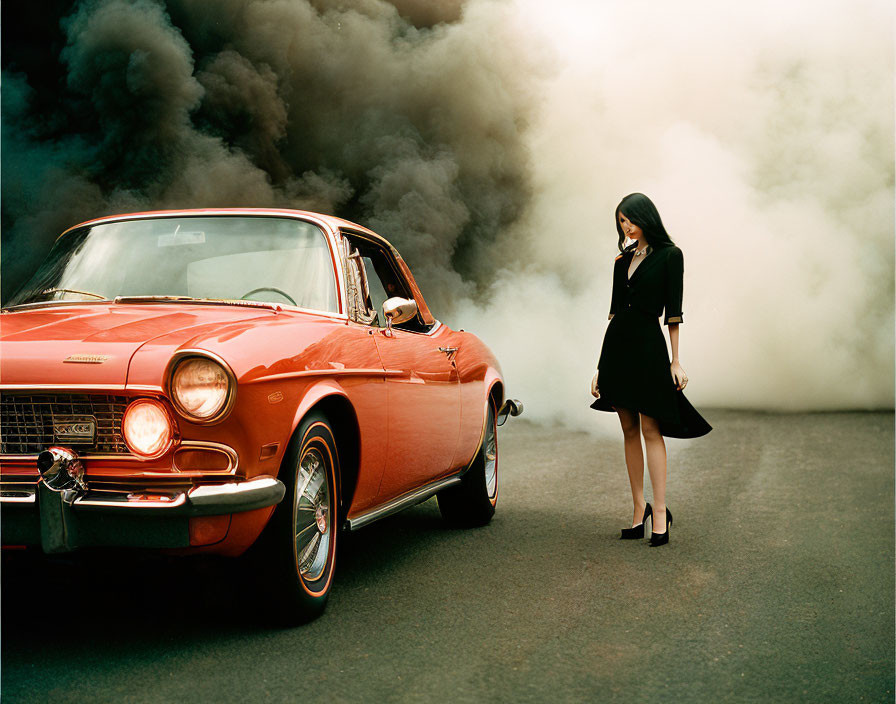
x=26 y=421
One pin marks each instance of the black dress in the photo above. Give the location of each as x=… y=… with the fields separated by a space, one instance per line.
x=633 y=371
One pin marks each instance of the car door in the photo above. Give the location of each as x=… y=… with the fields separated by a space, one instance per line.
x=422 y=383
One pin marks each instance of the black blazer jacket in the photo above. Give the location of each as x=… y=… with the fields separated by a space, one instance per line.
x=657 y=283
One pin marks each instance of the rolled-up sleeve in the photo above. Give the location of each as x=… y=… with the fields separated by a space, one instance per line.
x=674 y=286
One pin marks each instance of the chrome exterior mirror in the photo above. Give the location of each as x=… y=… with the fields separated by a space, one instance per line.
x=398 y=310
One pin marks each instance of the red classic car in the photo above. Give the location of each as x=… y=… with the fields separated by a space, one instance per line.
x=210 y=380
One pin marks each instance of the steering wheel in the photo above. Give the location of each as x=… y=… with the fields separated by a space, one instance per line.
x=267 y=288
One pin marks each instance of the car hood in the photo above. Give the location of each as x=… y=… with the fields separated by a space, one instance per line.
x=92 y=345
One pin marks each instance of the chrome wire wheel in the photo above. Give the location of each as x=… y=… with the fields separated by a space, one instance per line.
x=298 y=549
x=312 y=516
x=491 y=453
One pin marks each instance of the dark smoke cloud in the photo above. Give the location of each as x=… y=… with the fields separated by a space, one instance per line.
x=406 y=116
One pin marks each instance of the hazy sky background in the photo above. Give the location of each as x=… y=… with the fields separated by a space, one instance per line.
x=764 y=133
x=491 y=141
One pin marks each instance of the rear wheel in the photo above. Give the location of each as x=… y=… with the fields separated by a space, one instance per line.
x=300 y=554
x=472 y=502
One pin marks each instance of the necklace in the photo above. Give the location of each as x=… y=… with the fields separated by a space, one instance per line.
x=639 y=252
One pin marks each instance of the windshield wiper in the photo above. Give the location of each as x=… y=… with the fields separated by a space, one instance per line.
x=139 y=299
x=276 y=307
x=74 y=290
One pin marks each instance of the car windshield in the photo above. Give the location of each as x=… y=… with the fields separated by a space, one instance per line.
x=278 y=260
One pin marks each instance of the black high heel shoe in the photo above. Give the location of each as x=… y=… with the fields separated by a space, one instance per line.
x=638 y=530
x=657 y=539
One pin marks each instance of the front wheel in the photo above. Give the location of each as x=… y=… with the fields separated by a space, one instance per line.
x=300 y=554
x=472 y=502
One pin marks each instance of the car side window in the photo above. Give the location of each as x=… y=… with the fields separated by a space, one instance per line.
x=372 y=279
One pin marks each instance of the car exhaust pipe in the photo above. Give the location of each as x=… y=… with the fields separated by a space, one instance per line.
x=510 y=407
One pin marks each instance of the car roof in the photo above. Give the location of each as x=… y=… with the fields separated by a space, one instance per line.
x=330 y=220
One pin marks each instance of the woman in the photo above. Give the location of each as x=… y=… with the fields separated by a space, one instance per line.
x=635 y=377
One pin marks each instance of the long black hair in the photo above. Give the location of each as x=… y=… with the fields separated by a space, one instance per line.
x=641 y=211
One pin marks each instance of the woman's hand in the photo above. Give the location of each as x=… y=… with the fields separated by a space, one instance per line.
x=594 y=390
x=678 y=376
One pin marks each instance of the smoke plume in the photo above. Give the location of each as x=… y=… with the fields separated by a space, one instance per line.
x=490 y=142
x=341 y=107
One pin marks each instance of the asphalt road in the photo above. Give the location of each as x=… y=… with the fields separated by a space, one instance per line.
x=777 y=586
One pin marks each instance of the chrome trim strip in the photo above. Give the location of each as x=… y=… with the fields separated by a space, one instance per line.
x=25 y=307
x=324 y=372
x=207 y=445
x=401 y=503
x=332 y=234
x=122 y=500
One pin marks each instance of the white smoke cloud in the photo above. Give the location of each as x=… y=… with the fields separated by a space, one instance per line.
x=764 y=134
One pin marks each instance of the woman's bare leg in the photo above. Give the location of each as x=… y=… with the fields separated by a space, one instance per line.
x=656 y=466
x=634 y=460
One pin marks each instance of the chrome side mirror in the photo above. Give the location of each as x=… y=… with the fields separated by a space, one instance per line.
x=511 y=407
x=398 y=310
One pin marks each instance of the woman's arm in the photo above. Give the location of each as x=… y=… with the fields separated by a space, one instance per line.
x=673 y=339
x=678 y=374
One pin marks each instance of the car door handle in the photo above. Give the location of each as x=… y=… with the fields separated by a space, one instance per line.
x=449 y=351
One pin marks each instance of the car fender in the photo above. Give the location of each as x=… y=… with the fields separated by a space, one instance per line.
x=312 y=396
x=468 y=451
x=361 y=454
x=493 y=377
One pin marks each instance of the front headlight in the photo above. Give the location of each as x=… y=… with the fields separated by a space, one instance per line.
x=146 y=428
x=201 y=389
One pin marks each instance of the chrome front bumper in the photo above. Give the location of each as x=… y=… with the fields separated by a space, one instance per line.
x=208 y=500
x=60 y=521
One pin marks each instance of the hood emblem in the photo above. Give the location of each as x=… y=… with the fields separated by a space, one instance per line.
x=87 y=358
